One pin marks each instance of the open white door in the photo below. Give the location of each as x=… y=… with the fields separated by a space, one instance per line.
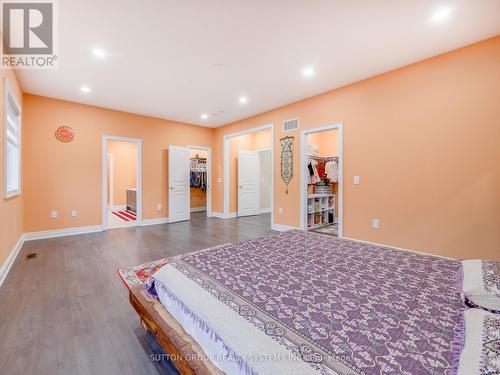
x=248 y=183
x=178 y=184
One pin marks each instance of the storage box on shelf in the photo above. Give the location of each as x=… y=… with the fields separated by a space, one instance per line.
x=320 y=210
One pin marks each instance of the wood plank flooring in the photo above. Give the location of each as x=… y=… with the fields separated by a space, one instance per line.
x=67 y=312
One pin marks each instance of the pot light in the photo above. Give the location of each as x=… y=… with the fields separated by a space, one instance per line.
x=85 y=89
x=308 y=72
x=441 y=14
x=243 y=99
x=99 y=53
x=204 y=116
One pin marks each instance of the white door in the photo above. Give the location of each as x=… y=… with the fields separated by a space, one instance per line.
x=178 y=184
x=248 y=183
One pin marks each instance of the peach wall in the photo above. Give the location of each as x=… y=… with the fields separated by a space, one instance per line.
x=62 y=176
x=247 y=142
x=124 y=169
x=11 y=209
x=425 y=141
x=328 y=142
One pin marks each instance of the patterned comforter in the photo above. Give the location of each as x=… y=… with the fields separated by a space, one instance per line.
x=342 y=306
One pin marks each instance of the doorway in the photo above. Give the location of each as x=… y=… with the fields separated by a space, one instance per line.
x=322 y=180
x=248 y=172
x=122 y=182
x=189 y=177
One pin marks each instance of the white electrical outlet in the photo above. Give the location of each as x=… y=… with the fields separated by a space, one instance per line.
x=356 y=180
x=158 y=207
x=376 y=224
x=73 y=213
x=280 y=211
x=54 y=214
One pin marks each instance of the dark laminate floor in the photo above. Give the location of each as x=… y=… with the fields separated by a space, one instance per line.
x=67 y=312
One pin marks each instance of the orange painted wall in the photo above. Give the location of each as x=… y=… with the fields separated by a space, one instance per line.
x=124 y=169
x=247 y=142
x=424 y=139
x=63 y=176
x=11 y=209
x=328 y=142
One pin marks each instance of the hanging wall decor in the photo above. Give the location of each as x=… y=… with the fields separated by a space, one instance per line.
x=65 y=134
x=287 y=160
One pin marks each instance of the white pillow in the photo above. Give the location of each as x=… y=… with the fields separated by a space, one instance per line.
x=480 y=354
x=481 y=284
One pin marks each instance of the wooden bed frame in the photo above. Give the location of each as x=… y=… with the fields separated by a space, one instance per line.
x=184 y=352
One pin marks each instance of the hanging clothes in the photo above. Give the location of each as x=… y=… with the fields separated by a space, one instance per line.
x=332 y=171
x=313 y=172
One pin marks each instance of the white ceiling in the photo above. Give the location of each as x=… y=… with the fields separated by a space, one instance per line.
x=165 y=55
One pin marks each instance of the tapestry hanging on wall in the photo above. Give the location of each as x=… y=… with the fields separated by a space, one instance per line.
x=287 y=160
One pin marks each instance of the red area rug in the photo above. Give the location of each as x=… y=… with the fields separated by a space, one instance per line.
x=125 y=215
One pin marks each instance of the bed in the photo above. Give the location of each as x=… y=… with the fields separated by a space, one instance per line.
x=305 y=303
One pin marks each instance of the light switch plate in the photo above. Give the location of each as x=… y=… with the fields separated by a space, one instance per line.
x=54 y=214
x=158 y=207
x=356 y=180
x=376 y=224
x=280 y=210
x=73 y=213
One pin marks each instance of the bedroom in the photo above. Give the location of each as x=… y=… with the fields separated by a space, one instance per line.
x=416 y=156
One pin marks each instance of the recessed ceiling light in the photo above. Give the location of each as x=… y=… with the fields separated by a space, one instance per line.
x=308 y=71
x=204 y=116
x=85 y=89
x=441 y=14
x=243 y=99
x=99 y=53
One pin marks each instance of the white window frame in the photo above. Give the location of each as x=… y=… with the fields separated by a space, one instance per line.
x=9 y=98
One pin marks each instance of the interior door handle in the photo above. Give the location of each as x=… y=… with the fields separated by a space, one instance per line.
x=240 y=186
x=171 y=188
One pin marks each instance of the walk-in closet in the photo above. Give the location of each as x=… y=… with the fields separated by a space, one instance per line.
x=322 y=182
x=198 y=180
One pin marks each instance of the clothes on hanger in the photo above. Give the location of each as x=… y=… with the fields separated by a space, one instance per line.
x=313 y=172
x=332 y=171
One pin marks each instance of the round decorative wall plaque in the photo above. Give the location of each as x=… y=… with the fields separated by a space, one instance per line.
x=65 y=134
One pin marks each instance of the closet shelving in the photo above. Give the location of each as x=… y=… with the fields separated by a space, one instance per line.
x=321 y=203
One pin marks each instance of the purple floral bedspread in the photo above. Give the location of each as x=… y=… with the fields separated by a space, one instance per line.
x=343 y=306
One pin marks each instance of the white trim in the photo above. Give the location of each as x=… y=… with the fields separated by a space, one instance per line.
x=282 y=228
x=111 y=181
x=118 y=208
x=4 y=270
x=155 y=221
x=198 y=209
x=105 y=139
x=209 y=175
x=62 y=232
x=225 y=158
x=222 y=215
x=303 y=171
x=398 y=248
x=9 y=96
x=265 y=210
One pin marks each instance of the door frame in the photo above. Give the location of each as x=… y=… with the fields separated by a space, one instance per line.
x=110 y=178
x=259 y=153
x=209 y=175
x=105 y=139
x=303 y=172
x=226 y=139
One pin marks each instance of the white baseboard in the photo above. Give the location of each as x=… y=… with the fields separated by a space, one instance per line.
x=265 y=210
x=118 y=208
x=198 y=209
x=221 y=215
x=10 y=259
x=62 y=232
x=396 y=248
x=155 y=221
x=282 y=228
